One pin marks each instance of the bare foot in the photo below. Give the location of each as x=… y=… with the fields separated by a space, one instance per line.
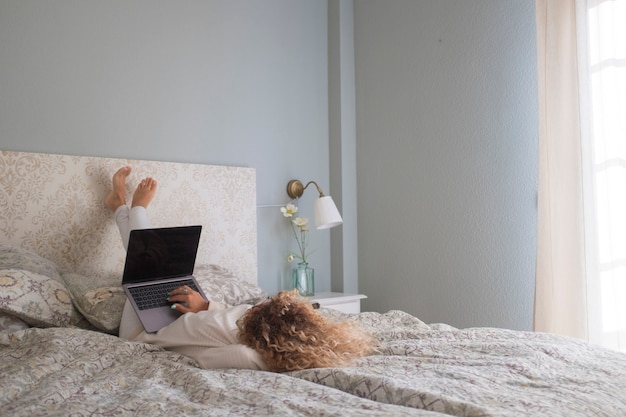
x=117 y=195
x=145 y=192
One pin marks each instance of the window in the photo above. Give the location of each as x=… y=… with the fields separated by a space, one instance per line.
x=605 y=65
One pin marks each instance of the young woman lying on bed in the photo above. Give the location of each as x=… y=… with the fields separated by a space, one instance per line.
x=283 y=333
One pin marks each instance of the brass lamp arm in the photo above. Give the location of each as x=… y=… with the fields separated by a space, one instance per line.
x=295 y=189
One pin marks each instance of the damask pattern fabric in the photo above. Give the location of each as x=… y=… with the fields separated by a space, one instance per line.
x=101 y=301
x=482 y=371
x=419 y=370
x=12 y=257
x=36 y=299
x=221 y=285
x=61 y=372
x=52 y=205
x=32 y=290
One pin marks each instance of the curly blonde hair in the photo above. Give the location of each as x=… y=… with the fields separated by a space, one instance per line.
x=290 y=335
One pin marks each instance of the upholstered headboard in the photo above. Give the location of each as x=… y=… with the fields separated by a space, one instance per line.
x=52 y=205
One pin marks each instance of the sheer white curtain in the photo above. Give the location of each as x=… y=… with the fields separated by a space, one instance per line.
x=581 y=254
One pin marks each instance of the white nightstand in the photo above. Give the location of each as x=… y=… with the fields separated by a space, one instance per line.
x=348 y=303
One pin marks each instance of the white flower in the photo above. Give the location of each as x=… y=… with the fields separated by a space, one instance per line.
x=289 y=210
x=302 y=223
x=300 y=229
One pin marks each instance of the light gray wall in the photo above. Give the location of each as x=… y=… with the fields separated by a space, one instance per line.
x=446 y=159
x=239 y=82
x=443 y=144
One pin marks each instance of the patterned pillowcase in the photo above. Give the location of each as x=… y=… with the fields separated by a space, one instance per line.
x=36 y=299
x=12 y=257
x=221 y=285
x=32 y=290
x=101 y=301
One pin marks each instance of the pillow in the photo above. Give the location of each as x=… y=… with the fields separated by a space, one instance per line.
x=12 y=257
x=37 y=273
x=221 y=285
x=101 y=301
x=36 y=299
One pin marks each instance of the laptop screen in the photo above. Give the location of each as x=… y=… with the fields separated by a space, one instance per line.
x=161 y=253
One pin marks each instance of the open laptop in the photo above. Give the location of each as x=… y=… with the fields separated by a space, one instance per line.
x=158 y=261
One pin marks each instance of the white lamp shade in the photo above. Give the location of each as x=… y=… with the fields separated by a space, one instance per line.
x=326 y=213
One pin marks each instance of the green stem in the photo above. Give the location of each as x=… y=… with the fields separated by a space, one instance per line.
x=301 y=245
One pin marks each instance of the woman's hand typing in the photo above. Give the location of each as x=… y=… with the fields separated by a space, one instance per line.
x=187 y=300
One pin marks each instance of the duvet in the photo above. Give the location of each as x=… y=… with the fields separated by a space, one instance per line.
x=419 y=370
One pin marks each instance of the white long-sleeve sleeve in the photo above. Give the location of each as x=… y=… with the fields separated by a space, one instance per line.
x=209 y=337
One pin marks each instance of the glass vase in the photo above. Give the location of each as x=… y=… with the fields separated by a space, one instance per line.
x=303 y=279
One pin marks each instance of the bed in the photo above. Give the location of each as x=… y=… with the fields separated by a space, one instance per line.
x=60 y=305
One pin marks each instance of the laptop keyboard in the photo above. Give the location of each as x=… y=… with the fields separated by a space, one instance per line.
x=155 y=295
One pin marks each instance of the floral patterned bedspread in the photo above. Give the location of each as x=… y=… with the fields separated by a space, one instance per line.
x=420 y=370
x=482 y=371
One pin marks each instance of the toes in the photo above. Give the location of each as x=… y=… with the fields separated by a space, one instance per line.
x=148 y=183
x=123 y=171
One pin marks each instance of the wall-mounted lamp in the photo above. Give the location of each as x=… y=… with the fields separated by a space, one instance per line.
x=326 y=213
